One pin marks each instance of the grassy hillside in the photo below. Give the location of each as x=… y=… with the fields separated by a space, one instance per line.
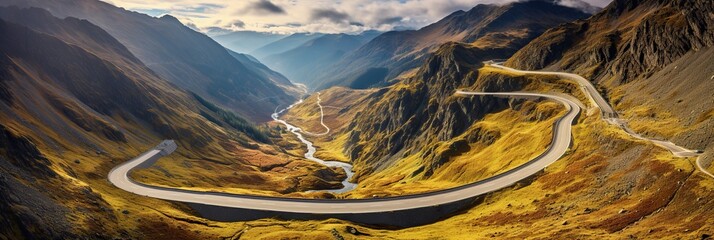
x=75 y=103
x=650 y=58
x=609 y=185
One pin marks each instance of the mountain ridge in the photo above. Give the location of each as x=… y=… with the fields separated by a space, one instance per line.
x=645 y=54
x=189 y=59
x=399 y=51
x=302 y=62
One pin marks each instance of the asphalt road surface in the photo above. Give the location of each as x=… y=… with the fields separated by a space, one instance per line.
x=561 y=139
x=609 y=114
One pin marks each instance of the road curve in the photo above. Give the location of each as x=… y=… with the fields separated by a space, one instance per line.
x=561 y=139
x=587 y=87
x=608 y=114
x=322 y=122
x=702 y=169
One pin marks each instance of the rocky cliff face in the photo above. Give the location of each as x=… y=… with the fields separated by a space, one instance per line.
x=652 y=58
x=627 y=40
x=422 y=110
x=510 y=26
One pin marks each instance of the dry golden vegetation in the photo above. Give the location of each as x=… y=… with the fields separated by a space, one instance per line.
x=608 y=185
x=340 y=107
x=509 y=140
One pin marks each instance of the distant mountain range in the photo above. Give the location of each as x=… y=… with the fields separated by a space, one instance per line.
x=284 y=44
x=301 y=62
x=297 y=56
x=247 y=41
x=372 y=58
x=506 y=27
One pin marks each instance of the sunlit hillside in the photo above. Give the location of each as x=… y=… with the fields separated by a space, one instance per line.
x=363 y=119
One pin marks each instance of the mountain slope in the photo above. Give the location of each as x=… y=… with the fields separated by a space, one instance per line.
x=187 y=58
x=421 y=117
x=74 y=103
x=651 y=58
x=255 y=65
x=505 y=27
x=417 y=136
x=284 y=44
x=301 y=63
x=246 y=41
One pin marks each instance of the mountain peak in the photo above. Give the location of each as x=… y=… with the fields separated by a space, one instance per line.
x=169 y=18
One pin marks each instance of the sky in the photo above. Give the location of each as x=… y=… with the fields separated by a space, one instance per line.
x=326 y=16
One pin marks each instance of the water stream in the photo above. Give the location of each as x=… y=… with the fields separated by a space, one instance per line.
x=310 y=154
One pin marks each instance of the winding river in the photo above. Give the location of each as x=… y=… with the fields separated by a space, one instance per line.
x=310 y=154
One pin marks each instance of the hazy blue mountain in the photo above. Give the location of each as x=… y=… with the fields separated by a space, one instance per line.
x=247 y=41
x=187 y=58
x=284 y=44
x=506 y=27
x=301 y=63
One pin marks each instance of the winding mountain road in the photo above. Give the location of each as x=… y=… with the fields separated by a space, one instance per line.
x=586 y=86
x=608 y=113
x=561 y=140
x=311 y=150
x=322 y=120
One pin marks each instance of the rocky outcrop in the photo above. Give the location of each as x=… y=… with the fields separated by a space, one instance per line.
x=423 y=110
x=21 y=218
x=24 y=154
x=626 y=41
x=650 y=54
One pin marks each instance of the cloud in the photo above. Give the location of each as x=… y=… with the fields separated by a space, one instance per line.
x=200 y=8
x=215 y=31
x=152 y=11
x=326 y=16
x=192 y=26
x=237 y=24
x=329 y=14
x=579 y=4
x=390 y=20
x=263 y=7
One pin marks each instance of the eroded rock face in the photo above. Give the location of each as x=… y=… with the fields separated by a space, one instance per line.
x=653 y=54
x=628 y=40
x=22 y=153
x=423 y=110
x=19 y=206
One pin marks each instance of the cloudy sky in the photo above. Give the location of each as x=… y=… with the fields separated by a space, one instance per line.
x=328 y=16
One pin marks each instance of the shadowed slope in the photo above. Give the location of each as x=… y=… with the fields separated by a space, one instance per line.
x=189 y=59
